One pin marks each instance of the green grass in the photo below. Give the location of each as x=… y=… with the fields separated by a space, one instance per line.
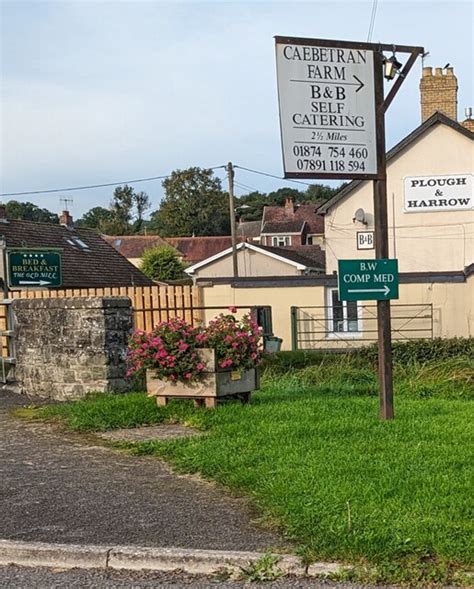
x=314 y=457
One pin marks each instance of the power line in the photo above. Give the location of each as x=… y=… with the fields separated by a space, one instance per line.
x=246 y=186
x=372 y=21
x=138 y=180
x=272 y=175
x=91 y=186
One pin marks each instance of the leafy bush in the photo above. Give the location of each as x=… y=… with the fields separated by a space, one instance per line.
x=162 y=263
x=424 y=350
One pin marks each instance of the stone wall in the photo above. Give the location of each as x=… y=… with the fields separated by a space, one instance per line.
x=68 y=347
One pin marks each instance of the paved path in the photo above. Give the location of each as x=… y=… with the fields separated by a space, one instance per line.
x=41 y=578
x=58 y=487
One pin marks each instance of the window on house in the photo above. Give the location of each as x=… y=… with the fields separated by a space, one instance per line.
x=281 y=240
x=343 y=316
x=78 y=242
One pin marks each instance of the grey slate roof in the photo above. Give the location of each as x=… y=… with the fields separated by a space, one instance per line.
x=88 y=263
x=283 y=227
x=311 y=256
x=249 y=229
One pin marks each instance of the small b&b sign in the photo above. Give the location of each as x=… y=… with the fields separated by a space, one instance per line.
x=365 y=240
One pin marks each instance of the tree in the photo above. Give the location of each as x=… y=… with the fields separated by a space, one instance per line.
x=125 y=215
x=194 y=204
x=249 y=207
x=27 y=211
x=319 y=193
x=142 y=203
x=121 y=208
x=96 y=218
x=162 y=263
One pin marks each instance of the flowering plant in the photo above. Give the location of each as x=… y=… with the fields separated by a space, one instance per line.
x=237 y=342
x=171 y=348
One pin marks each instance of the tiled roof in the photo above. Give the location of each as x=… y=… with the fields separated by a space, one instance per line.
x=299 y=213
x=308 y=255
x=196 y=249
x=249 y=229
x=283 y=227
x=133 y=246
x=88 y=263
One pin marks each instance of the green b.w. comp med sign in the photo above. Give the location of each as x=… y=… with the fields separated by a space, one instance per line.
x=366 y=280
x=33 y=268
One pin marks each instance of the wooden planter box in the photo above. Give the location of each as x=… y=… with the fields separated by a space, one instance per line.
x=213 y=384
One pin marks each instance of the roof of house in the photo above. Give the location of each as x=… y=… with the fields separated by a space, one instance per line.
x=285 y=219
x=303 y=260
x=88 y=261
x=196 y=249
x=283 y=227
x=435 y=119
x=311 y=256
x=249 y=229
x=133 y=246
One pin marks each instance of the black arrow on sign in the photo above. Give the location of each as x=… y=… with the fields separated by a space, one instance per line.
x=361 y=83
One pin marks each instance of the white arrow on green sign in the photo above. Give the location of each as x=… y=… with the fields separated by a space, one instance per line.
x=368 y=280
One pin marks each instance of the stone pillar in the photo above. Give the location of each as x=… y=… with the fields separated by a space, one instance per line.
x=68 y=347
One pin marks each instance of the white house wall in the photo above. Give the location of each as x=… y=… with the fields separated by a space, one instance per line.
x=250 y=263
x=422 y=241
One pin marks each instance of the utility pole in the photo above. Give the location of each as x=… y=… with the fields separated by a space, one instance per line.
x=230 y=176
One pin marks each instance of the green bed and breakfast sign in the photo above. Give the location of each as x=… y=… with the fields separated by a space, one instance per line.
x=33 y=268
x=368 y=280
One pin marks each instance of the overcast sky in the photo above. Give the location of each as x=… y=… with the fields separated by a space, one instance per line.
x=96 y=92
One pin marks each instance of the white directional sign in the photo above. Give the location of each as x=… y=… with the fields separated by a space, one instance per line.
x=327 y=108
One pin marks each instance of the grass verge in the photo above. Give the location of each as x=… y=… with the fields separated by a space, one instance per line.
x=394 y=497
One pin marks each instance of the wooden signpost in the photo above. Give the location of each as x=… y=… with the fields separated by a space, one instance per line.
x=332 y=121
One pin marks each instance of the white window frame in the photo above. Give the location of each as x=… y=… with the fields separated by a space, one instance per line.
x=345 y=333
x=276 y=238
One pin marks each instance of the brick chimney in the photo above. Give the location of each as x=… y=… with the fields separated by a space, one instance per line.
x=66 y=220
x=3 y=213
x=439 y=92
x=289 y=206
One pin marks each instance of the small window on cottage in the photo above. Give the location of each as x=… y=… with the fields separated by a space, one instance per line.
x=281 y=240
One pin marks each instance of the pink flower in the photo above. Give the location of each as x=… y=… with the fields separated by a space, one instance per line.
x=188 y=375
x=233 y=309
x=200 y=366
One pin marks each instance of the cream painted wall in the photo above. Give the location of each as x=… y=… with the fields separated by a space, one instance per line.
x=135 y=261
x=453 y=309
x=421 y=241
x=250 y=263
